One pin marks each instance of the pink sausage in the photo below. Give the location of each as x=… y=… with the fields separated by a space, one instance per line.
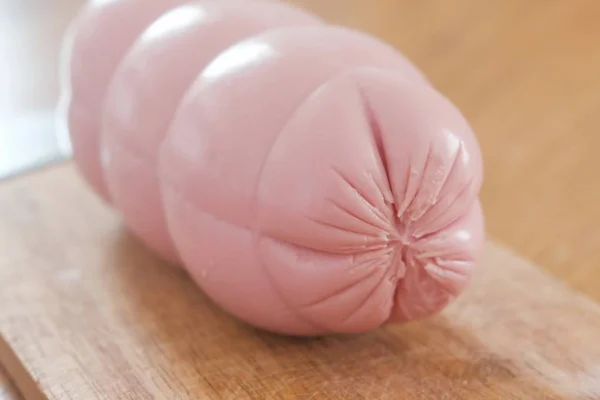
x=96 y=42
x=308 y=177
x=147 y=88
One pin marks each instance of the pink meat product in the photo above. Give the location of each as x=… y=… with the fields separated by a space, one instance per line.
x=96 y=43
x=307 y=176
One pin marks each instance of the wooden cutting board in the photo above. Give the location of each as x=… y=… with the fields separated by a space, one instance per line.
x=87 y=313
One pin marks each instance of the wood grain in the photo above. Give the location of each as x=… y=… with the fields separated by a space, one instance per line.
x=525 y=73
x=91 y=314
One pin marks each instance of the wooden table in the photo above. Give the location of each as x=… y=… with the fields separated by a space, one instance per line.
x=525 y=73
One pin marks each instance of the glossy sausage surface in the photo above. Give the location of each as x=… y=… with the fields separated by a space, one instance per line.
x=307 y=176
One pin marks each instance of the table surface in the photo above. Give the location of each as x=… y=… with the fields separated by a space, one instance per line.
x=525 y=74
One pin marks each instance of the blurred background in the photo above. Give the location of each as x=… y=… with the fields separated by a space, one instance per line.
x=524 y=73
x=30 y=36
